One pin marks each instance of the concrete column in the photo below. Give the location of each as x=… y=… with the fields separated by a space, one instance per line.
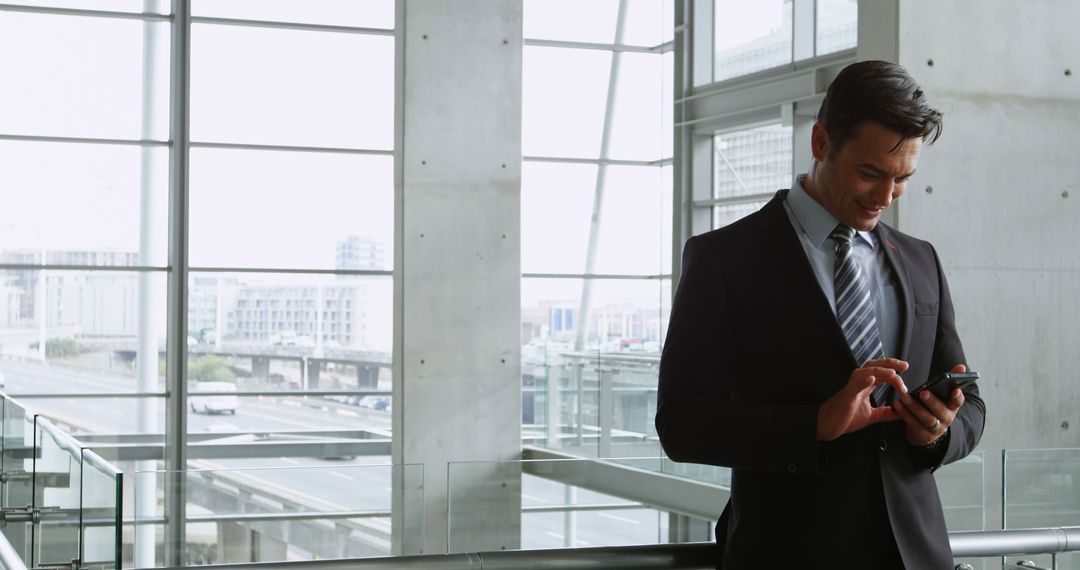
x=367 y=377
x=260 y=367
x=312 y=368
x=457 y=396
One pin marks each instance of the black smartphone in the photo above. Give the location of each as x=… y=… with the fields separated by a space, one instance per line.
x=943 y=385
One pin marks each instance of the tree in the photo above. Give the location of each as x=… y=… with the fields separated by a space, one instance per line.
x=210 y=368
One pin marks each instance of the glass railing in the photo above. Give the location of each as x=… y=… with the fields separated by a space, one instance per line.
x=1041 y=488
x=283 y=513
x=555 y=503
x=61 y=503
x=592 y=404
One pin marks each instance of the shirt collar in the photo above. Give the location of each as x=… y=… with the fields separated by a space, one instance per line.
x=815 y=220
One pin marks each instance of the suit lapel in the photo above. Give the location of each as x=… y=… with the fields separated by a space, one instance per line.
x=787 y=251
x=896 y=260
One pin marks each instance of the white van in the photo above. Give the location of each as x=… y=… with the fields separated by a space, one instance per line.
x=224 y=400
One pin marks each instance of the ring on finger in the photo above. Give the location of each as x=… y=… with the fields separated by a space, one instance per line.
x=934 y=426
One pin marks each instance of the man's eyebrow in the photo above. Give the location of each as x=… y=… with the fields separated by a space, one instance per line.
x=880 y=172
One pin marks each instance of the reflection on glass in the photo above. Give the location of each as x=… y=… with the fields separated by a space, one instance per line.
x=245 y=208
x=837 y=25
x=1041 y=489
x=592 y=392
x=49 y=189
x=751 y=35
x=366 y=14
x=277 y=514
x=752 y=161
x=80 y=76
x=291 y=87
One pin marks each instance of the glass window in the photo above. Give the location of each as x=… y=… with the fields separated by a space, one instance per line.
x=235 y=351
x=750 y=35
x=564 y=93
x=638 y=118
x=289 y=87
x=245 y=212
x=837 y=25
x=751 y=161
x=571 y=20
x=365 y=14
x=49 y=189
x=82 y=76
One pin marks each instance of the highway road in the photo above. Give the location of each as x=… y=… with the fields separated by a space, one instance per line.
x=330 y=485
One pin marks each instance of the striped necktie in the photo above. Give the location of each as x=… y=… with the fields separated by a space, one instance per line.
x=855 y=306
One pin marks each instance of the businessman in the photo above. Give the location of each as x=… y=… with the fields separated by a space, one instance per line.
x=796 y=334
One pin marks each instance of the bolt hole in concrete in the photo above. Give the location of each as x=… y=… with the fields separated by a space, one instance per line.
x=1068 y=72
x=929 y=189
x=930 y=62
x=1064 y=425
x=1065 y=194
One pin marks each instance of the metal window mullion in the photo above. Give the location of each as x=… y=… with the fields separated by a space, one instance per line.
x=293 y=271
x=290 y=148
x=83 y=140
x=176 y=329
x=301 y=26
x=48 y=10
x=60 y=267
x=617 y=47
x=601 y=276
x=598 y=161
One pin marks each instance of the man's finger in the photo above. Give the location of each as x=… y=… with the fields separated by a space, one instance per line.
x=891 y=363
x=957 y=399
x=897 y=383
x=959 y=368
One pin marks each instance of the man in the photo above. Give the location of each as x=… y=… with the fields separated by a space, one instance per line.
x=795 y=336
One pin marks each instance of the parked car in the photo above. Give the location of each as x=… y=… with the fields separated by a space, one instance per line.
x=223 y=400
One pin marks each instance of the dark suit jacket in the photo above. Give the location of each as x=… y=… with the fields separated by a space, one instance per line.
x=753 y=349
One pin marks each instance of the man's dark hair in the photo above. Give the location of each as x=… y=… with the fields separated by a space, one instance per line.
x=877 y=91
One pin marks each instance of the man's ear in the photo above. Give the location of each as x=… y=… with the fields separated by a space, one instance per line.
x=819 y=142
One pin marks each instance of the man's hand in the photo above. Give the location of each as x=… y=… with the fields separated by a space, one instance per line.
x=849 y=410
x=930 y=418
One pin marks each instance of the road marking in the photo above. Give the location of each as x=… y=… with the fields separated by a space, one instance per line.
x=532 y=498
x=620 y=519
x=555 y=535
x=388 y=489
x=342 y=476
x=583 y=542
x=289 y=461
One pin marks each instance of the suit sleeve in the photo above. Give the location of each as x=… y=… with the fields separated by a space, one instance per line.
x=966 y=430
x=697 y=418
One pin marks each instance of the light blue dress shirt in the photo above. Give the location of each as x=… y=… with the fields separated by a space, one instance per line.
x=813 y=224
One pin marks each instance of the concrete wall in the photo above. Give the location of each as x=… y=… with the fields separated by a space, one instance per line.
x=458 y=394
x=991 y=196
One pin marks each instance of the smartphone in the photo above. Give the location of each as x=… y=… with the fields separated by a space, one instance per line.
x=943 y=385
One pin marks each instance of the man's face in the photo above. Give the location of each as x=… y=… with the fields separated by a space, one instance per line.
x=871 y=170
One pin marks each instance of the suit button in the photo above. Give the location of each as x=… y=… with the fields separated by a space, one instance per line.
x=883 y=445
x=791 y=468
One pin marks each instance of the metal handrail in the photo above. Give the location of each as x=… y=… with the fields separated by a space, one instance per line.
x=696 y=555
